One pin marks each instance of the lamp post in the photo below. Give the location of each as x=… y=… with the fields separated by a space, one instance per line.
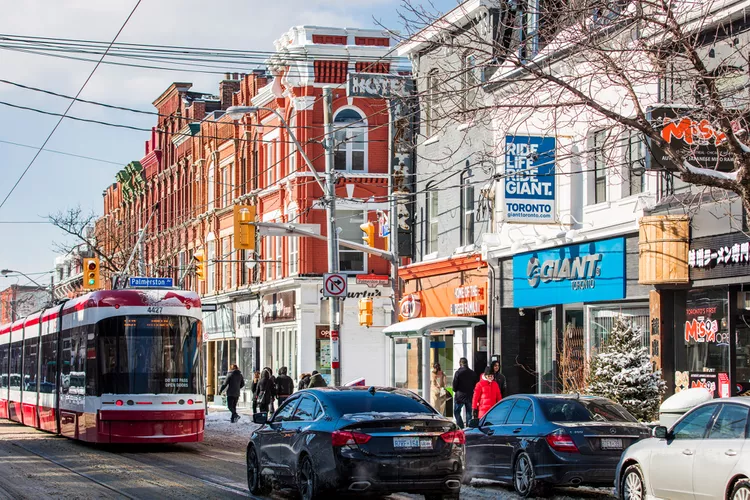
x=236 y=113
x=50 y=289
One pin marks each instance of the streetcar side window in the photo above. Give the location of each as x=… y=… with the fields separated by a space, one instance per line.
x=16 y=362
x=30 y=356
x=48 y=372
x=4 y=365
x=89 y=333
x=65 y=360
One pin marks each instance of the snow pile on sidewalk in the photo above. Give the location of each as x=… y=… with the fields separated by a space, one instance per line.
x=217 y=422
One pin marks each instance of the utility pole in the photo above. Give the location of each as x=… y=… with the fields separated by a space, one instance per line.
x=333 y=247
x=393 y=216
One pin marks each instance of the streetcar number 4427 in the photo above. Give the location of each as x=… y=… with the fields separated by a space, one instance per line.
x=155 y=310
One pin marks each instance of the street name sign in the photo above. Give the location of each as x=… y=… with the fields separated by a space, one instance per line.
x=144 y=282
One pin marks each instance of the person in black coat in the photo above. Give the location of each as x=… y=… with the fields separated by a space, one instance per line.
x=266 y=390
x=500 y=378
x=254 y=388
x=284 y=385
x=464 y=381
x=233 y=383
x=304 y=381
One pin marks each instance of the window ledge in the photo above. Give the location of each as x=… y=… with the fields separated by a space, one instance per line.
x=431 y=140
x=465 y=126
x=465 y=249
x=430 y=256
x=599 y=207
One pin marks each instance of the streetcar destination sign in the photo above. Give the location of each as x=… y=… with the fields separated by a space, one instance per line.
x=142 y=282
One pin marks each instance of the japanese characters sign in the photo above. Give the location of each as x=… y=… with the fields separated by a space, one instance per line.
x=723 y=256
x=530 y=179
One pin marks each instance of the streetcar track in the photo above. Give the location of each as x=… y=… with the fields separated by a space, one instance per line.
x=82 y=474
x=244 y=492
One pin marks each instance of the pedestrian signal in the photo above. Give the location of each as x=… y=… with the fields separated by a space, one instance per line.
x=365 y=312
x=91 y=273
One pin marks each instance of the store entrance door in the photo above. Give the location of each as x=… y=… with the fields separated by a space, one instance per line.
x=546 y=351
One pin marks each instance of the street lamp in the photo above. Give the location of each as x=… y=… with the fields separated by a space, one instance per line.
x=50 y=289
x=329 y=190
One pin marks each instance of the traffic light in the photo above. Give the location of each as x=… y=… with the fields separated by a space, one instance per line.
x=91 y=273
x=365 y=312
x=369 y=237
x=244 y=233
x=200 y=265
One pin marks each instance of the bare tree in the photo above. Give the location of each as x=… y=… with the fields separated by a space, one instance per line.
x=552 y=64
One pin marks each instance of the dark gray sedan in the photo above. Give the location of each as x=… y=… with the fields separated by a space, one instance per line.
x=539 y=441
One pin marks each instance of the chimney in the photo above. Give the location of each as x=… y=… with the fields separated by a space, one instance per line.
x=227 y=88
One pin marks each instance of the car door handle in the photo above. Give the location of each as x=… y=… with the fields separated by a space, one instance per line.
x=730 y=453
x=687 y=452
x=516 y=431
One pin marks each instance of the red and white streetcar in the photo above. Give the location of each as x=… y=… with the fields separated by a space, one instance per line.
x=113 y=366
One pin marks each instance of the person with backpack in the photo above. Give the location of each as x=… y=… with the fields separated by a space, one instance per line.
x=284 y=385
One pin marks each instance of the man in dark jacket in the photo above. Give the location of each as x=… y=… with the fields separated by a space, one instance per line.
x=500 y=378
x=464 y=381
x=233 y=383
x=284 y=385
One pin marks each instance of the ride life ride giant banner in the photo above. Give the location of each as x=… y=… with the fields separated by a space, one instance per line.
x=530 y=179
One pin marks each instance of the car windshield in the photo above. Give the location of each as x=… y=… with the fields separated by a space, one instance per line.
x=584 y=410
x=348 y=402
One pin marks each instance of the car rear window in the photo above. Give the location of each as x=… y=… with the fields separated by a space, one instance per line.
x=363 y=402
x=584 y=410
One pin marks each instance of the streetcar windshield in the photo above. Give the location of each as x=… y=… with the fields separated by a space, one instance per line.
x=148 y=355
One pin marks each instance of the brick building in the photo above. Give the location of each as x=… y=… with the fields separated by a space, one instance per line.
x=199 y=163
x=19 y=301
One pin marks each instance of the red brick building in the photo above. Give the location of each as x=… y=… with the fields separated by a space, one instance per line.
x=199 y=163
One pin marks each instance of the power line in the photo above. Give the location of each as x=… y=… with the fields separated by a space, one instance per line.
x=69 y=106
x=62 y=153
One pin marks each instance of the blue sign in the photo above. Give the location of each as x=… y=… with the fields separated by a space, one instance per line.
x=529 y=179
x=588 y=272
x=136 y=282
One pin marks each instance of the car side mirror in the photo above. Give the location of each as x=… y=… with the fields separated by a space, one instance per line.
x=260 y=418
x=660 y=432
x=473 y=423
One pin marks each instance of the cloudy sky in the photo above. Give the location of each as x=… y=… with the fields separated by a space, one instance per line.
x=57 y=182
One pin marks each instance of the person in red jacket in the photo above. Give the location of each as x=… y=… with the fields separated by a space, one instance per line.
x=486 y=394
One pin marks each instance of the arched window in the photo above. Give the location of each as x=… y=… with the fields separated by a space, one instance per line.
x=350 y=141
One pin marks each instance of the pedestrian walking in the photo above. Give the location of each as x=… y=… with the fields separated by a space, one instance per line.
x=233 y=383
x=266 y=391
x=317 y=380
x=464 y=381
x=304 y=381
x=254 y=389
x=486 y=394
x=438 y=391
x=500 y=378
x=284 y=385
x=272 y=404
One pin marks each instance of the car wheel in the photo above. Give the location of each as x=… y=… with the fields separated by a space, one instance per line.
x=254 y=479
x=741 y=490
x=307 y=480
x=633 y=487
x=524 y=481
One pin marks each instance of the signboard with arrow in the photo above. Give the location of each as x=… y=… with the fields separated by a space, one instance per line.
x=334 y=285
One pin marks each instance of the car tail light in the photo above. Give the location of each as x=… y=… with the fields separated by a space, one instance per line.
x=561 y=441
x=454 y=437
x=346 y=438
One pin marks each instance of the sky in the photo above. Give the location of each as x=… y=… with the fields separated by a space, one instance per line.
x=56 y=182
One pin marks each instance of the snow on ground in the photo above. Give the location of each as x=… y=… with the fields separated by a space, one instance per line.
x=217 y=422
x=481 y=489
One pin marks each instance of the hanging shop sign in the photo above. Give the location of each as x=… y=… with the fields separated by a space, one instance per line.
x=588 y=272
x=410 y=306
x=530 y=179
x=722 y=256
x=691 y=130
x=279 y=307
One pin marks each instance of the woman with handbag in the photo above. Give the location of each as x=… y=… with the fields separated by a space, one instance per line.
x=438 y=391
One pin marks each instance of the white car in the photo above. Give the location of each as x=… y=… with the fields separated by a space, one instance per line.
x=705 y=455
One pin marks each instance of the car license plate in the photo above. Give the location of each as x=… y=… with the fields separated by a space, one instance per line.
x=611 y=444
x=407 y=443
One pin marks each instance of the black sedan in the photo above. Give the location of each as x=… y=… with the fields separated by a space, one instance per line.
x=539 y=441
x=356 y=440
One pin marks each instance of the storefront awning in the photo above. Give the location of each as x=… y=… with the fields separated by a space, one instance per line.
x=423 y=326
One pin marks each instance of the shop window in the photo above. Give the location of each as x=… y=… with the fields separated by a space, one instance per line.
x=602 y=320
x=701 y=334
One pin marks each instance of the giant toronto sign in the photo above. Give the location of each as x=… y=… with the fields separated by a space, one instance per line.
x=575 y=273
x=529 y=179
